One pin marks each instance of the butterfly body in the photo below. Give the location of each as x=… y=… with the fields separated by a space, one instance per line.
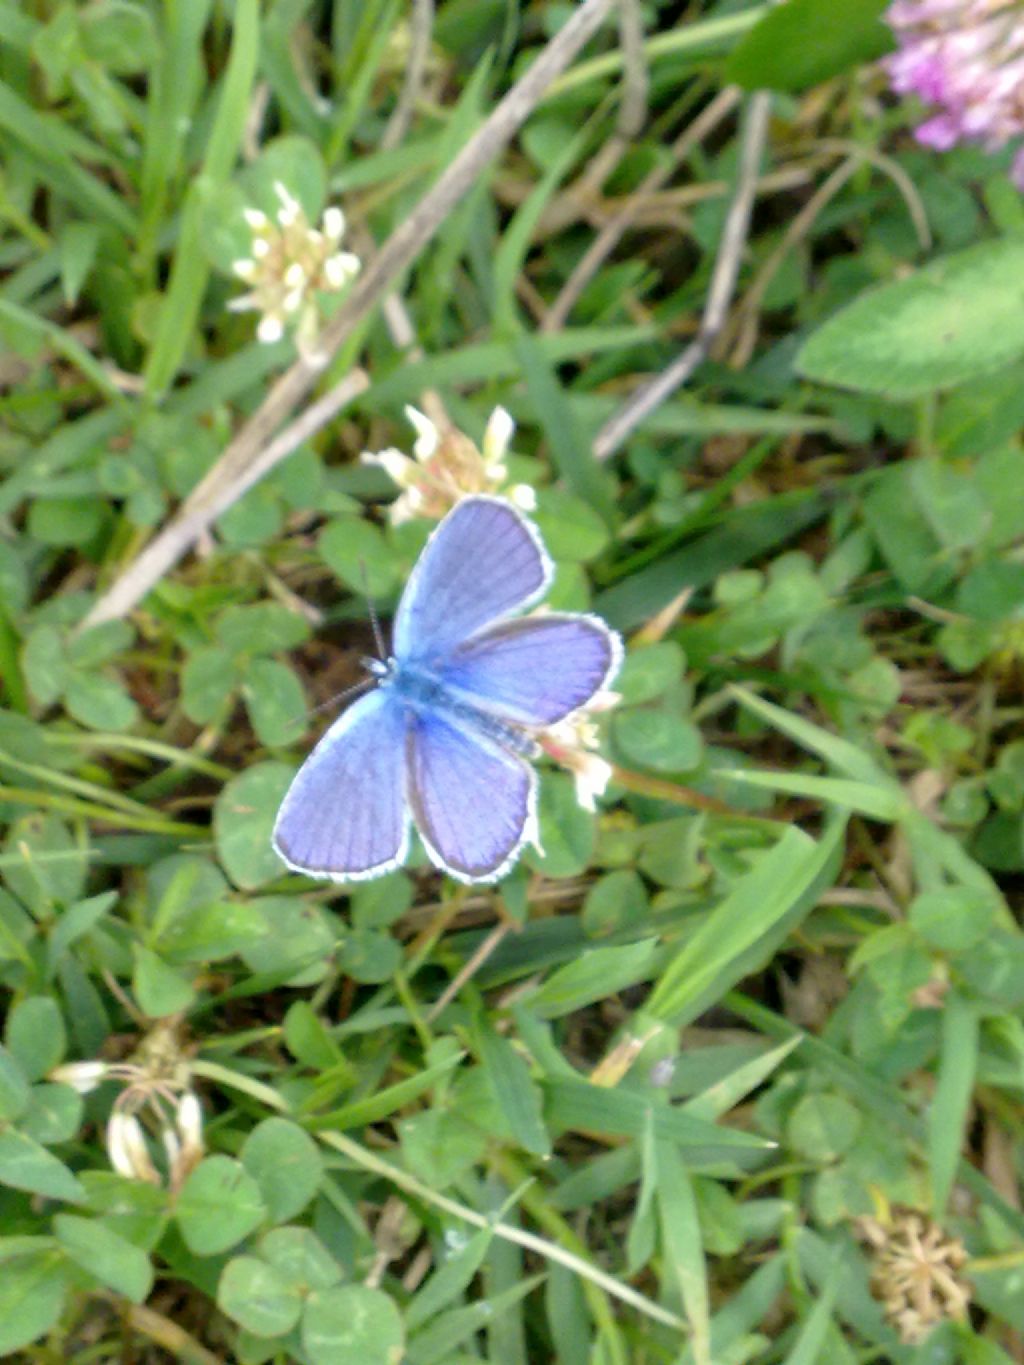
x=442 y=739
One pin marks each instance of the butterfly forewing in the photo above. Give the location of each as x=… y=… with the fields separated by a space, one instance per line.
x=345 y=815
x=483 y=562
x=534 y=671
x=473 y=801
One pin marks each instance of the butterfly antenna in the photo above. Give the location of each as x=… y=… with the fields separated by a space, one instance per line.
x=378 y=634
x=352 y=691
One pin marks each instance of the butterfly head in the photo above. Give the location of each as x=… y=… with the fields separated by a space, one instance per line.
x=379 y=669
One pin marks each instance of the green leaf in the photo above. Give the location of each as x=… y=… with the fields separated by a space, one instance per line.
x=54 y=1113
x=658 y=738
x=77 y=247
x=369 y=956
x=300 y=1257
x=35 y=1035
x=219 y=1204
x=24 y=1165
x=276 y=702
x=243 y=819
x=650 y=670
x=31 y=1299
x=355 y=552
x=823 y=1127
x=158 y=988
x=947 y=1112
x=959 y=316
x=99 y=702
x=566 y=829
x=208 y=681
x=682 y=1244
x=805 y=42
x=744 y=927
x=570 y=528
x=14 y=1087
x=103 y=1254
x=352 y=1323
x=45 y=664
x=614 y=901
x=509 y=1079
x=262 y=628
x=595 y=974
x=286 y=1164
x=952 y=918
x=65 y=522
x=258 y=1298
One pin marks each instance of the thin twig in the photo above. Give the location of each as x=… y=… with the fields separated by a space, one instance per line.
x=404 y=245
x=723 y=281
x=797 y=229
x=420 y=28
x=607 y=239
x=632 y=113
x=750 y=305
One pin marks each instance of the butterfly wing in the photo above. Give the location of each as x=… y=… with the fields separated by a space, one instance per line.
x=482 y=562
x=474 y=802
x=534 y=671
x=345 y=815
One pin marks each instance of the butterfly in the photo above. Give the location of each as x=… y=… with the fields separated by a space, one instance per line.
x=444 y=739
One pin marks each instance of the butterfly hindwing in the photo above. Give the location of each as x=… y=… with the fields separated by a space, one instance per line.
x=473 y=801
x=345 y=815
x=534 y=670
x=484 y=561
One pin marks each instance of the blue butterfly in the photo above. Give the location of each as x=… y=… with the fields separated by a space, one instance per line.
x=443 y=738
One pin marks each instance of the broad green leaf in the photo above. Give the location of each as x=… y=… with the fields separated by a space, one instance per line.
x=219 y=1204
x=99 y=702
x=243 y=819
x=31 y=1298
x=805 y=42
x=351 y=1322
x=356 y=552
x=258 y=1298
x=300 y=1257
x=35 y=1035
x=648 y=671
x=25 y=1165
x=14 y=1087
x=207 y=683
x=53 y=1113
x=45 y=866
x=566 y=829
x=957 y=317
x=276 y=702
x=286 y=1164
x=118 y=1264
x=159 y=989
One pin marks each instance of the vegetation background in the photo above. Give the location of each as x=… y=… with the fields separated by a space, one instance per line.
x=734 y=1071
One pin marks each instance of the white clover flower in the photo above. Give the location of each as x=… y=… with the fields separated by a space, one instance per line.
x=81 y=1076
x=446 y=466
x=157 y=1082
x=291 y=263
x=572 y=743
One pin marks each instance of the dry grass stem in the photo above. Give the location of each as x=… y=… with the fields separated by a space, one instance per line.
x=651 y=395
x=610 y=235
